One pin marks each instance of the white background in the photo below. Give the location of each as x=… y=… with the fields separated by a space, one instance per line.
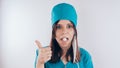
x=24 y=21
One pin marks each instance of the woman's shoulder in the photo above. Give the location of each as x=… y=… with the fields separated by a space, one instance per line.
x=84 y=54
x=86 y=59
x=84 y=51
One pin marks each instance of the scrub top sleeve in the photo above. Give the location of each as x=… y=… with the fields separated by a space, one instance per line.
x=36 y=58
x=86 y=58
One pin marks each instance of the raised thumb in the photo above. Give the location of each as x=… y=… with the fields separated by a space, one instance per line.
x=38 y=44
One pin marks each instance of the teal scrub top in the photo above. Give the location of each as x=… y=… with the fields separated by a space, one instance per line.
x=85 y=62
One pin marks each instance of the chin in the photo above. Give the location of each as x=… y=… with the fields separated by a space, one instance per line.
x=64 y=45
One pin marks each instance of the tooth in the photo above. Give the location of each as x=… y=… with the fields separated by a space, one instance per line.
x=64 y=39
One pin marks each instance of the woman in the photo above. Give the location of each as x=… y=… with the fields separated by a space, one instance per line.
x=63 y=51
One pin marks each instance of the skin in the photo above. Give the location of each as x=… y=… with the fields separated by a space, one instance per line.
x=64 y=29
x=44 y=55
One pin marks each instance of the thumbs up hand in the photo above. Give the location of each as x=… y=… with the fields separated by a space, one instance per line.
x=45 y=53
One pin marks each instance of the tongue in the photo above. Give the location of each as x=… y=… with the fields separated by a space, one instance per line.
x=64 y=39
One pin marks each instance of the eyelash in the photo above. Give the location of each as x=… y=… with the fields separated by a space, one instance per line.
x=59 y=26
x=70 y=26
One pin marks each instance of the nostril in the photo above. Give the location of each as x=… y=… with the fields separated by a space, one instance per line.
x=64 y=32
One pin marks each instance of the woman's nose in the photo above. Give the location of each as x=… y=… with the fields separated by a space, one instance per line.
x=64 y=30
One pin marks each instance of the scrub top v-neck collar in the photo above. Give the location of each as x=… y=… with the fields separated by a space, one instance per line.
x=65 y=65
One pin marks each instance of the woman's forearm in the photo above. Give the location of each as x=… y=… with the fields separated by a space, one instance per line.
x=39 y=65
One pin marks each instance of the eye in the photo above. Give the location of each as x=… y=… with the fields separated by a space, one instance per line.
x=58 y=27
x=69 y=26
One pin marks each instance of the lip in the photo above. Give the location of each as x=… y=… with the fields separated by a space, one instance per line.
x=64 y=39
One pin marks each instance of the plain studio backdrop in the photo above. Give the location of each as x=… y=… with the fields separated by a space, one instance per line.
x=24 y=21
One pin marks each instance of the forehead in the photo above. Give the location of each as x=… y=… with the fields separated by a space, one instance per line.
x=64 y=22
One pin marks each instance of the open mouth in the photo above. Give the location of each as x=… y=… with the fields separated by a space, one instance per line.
x=64 y=39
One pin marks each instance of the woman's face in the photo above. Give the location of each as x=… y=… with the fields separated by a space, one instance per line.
x=64 y=33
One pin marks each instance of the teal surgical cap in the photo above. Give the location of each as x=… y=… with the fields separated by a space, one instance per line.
x=64 y=11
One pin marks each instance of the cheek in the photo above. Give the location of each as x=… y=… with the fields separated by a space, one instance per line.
x=71 y=32
x=57 y=34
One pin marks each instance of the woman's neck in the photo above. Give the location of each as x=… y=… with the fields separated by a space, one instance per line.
x=63 y=57
x=64 y=51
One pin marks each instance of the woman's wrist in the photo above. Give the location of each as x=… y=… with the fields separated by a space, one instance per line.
x=40 y=65
x=40 y=62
